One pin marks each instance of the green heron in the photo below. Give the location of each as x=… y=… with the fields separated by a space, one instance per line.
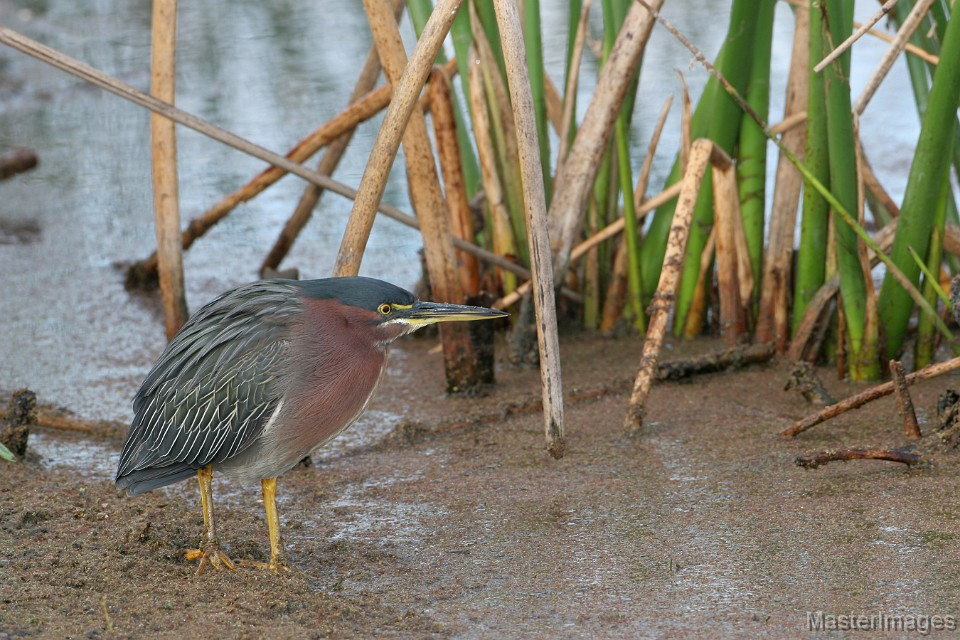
x=258 y=378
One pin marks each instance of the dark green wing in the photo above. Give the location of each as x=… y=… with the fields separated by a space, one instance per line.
x=213 y=389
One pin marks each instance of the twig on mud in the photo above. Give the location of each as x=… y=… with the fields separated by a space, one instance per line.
x=904 y=402
x=716 y=361
x=814 y=460
x=66 y=423
x=860 y=399
x=48 y=418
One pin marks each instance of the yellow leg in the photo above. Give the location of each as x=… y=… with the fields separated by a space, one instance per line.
x=278 y=560
x=210 y=554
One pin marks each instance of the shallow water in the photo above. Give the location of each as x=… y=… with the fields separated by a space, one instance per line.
x=270 y=72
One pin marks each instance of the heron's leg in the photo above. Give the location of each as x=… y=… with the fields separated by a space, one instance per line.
x=278 y=560
x=210 y=554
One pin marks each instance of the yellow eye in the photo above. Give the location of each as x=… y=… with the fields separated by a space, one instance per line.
x=385 y=309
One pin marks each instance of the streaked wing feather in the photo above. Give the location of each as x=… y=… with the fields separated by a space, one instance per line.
x=217 y=383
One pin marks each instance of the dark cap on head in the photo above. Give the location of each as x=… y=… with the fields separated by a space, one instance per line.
x=356 y=291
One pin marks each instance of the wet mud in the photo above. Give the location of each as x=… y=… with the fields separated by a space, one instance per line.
x=440 y=519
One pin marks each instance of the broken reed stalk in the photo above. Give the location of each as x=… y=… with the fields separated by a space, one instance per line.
x=568 y=118
x=342 y=124
x=697 y=312
x=730 y=276
x=643 y=180
x=535 y=210
x=507 y=226
x=856 y=35
x=424 y=184
x=907 y=27
x=579 y=171
x=455 y=188
x=789 y=122
x=163 y=136
x=86 y=72
x=500 y=231
x=606 y=233
x=773 y=318
x=912 y=49
x=911 y=428
x=405 y=95
x=328 y=164
x=701 y=153
x=871 y=394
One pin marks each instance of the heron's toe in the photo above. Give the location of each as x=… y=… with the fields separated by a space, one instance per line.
x=213 y=556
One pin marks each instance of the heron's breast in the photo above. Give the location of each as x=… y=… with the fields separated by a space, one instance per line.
x=338 y=370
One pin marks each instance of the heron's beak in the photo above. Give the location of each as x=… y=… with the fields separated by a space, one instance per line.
x=424 y=313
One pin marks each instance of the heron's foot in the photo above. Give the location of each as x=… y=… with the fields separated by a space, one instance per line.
x=211 y=556
x=278 y=564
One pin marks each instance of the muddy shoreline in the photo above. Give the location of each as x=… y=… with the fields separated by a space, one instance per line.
x=704 y=522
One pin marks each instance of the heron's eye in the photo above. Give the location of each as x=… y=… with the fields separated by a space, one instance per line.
x=385 y=309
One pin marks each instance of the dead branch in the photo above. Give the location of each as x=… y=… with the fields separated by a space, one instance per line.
x=733 y=358
x=912 y=49
x=873 y=393
x=814 y=460
x=606 y=233
x=815 y=316
x=773 y=323
x=363 y=109
x=328 y=163
x=908 y=26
